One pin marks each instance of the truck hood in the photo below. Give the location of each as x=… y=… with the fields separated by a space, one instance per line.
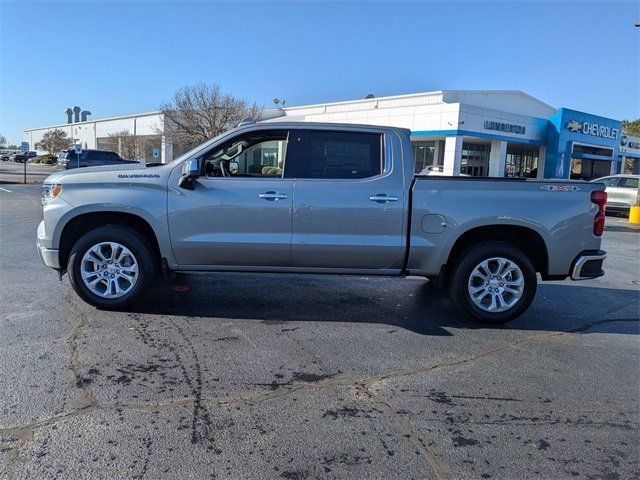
x=76 y=173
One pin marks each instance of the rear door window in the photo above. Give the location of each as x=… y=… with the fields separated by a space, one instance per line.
x=338 y=155
x=94 y=157
x=629 y=183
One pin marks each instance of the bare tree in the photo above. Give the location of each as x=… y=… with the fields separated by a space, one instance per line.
x=53 y=141
x=200 y=112
x=129 y=146
x=3 y=140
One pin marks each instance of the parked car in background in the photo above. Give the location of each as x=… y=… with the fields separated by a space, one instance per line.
x=6 y=156
x=23 y=157
x=68 y=159
x=621 y=191
x=437 y=171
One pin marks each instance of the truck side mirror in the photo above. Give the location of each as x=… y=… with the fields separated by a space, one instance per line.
x=190 y=171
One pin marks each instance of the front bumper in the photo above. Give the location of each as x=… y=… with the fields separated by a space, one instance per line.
x=588 y=265
x=49 y=257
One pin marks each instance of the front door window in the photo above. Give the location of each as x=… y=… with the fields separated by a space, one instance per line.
x=258 y=154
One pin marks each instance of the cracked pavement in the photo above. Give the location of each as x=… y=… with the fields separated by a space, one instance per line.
x=289 y=376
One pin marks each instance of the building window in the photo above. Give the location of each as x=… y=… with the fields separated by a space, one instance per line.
x=423 y=153
x=521 y=162
x=475 y=159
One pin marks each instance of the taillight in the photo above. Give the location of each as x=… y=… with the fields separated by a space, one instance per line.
x=600 y=199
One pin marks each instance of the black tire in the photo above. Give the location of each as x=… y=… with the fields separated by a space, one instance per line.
x=147 y=265
x=467 y=261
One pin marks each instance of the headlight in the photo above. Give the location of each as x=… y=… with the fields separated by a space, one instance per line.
x=50 y=191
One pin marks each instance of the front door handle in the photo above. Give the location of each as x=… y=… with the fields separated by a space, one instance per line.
x=383 y=198
x=272 y=196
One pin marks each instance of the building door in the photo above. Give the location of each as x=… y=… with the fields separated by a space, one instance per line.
x=521 y=161
x=587 y=169
x=475 y=159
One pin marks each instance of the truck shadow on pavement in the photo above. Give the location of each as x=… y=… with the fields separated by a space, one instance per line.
x=411 y=304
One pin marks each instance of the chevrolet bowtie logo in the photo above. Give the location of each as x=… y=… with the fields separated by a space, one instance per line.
x=574 y=126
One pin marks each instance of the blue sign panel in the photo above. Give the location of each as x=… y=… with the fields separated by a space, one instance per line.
x=579 y=135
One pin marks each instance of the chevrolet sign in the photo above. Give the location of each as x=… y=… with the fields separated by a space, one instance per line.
x=593 y=129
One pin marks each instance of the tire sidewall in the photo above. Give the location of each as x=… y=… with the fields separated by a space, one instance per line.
x=470 y=259
x=130 y=239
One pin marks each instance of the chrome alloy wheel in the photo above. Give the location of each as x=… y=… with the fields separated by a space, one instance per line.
x=496 y=284
x=109 y=270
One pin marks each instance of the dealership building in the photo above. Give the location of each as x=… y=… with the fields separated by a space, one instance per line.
x=497 y=133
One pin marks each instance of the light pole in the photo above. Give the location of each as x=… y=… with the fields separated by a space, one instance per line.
x=634 y=211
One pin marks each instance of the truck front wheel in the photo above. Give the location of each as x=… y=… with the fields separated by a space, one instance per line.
x=111 y=267
x=493 y=283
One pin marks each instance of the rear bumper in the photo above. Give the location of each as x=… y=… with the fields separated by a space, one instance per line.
x=588 y=265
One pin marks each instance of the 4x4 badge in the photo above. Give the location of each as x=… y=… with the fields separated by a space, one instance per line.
x=561 y=188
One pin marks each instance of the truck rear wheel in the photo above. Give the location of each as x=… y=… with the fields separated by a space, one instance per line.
x=493 y=283
x=111 y=267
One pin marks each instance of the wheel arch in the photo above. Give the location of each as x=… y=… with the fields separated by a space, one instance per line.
x=526 y=239
x=83 y=223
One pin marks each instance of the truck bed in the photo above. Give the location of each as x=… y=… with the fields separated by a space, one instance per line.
x=444 y=208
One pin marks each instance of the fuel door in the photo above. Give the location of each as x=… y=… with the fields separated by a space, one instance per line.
x=434 y=223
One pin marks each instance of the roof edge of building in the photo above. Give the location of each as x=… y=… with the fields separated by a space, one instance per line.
x=119 y=117
x=418 y=94
x=348 y=102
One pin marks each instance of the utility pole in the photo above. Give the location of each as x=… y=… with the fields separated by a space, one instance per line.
x=634 y=211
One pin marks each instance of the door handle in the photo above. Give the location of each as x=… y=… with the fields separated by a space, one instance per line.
x=272 y=196
x=383 y=198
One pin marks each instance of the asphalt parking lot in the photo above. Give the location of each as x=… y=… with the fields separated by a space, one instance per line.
x=248 y=376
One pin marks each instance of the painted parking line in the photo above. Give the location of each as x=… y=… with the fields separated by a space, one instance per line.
x=5 y=190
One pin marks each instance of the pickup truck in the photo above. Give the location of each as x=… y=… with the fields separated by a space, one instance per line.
x=318 y=198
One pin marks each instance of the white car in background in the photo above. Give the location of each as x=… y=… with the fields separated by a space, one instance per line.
x=436 y=171
x=622 y=190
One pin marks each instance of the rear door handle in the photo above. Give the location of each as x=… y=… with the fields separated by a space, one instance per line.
x=272 y=196
x=383 y=198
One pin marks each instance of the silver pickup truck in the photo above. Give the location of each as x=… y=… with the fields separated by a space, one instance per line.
x=318 y=198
